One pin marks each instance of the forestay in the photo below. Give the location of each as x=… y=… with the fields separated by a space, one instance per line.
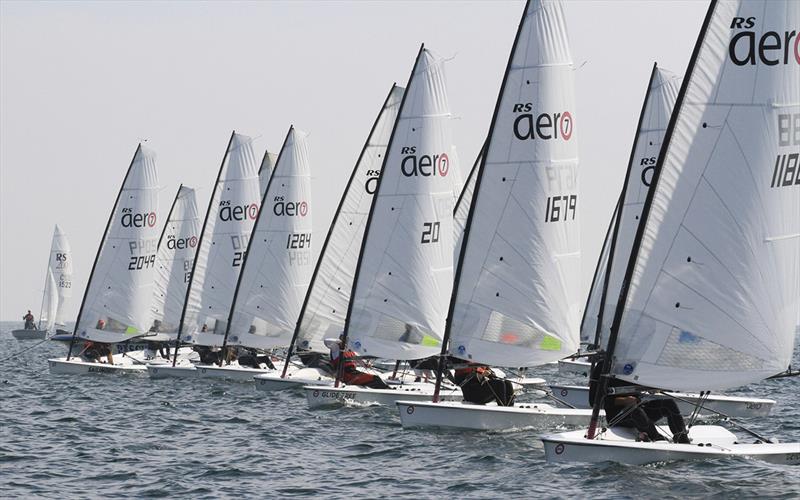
x=232 y=211
x=715 y=281
x=176 y=251
x=279 y=263
x=120 y=288
x=60 y=265
x=405 y=275
x=659 y=101
x=324 y=313
x=518 y=285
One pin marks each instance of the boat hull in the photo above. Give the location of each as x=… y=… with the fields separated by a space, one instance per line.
x=23 y=334
x=75 y=366
x=294 y=380
x=169 y=371
x=231 y=373
x=619 y=445
x=732 y=406
x=320 y=396
x=458 y=415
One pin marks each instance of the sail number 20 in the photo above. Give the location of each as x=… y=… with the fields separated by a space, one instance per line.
x=561 y=208
x=430 y=232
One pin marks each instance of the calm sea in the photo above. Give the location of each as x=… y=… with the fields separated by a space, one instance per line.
x=101 y=435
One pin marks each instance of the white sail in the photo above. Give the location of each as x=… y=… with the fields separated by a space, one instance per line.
x=659 y=101
x=47 y=316
x=60 y=265
x=405 y=271
x=590 y=312
x=714 y=288
x=232 y=211
x=120 y=288
x=268 y=162
x=329 y=295
x=174 y=261
x=279 y=262
x=461 y=212
x=518 y=289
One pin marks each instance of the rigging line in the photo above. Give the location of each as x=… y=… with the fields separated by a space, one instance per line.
x=26 y=349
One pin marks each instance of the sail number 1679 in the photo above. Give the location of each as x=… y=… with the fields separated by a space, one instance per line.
x=561 y=208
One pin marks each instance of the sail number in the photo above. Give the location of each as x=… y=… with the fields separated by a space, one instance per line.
x=559 y=208
x=142 y=262
x=238 y=258
x=298 y=240
x=430 y=232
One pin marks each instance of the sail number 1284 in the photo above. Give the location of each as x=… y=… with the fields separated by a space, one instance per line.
x=561 y=208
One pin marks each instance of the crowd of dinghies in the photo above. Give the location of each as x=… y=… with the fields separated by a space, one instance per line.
x=696 y=289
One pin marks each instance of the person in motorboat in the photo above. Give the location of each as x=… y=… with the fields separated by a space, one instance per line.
x=350 y=373
x=629 y=410
x=93 y=351
x=480 y=385
x=29 y=321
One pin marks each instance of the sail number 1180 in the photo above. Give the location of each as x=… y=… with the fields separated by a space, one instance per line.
x=561 y=208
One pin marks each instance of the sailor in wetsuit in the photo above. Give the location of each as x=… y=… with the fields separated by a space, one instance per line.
x=480 y=385
x=350 y=373
x=630 y=411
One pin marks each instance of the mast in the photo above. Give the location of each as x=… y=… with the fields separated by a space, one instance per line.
x=289 y=351
x=199 y=246
x=169 y=215
x=249 y=243
x=620 y=206
x=637 y=242
x=465 y=239
x=99 y=249
x=369 y=220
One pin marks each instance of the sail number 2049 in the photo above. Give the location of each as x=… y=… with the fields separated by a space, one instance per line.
x=561 y=208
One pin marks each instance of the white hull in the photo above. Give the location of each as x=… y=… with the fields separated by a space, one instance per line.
x=320 y=396
x=29 y=334
x=732 y=406
x=76 y=366
x=618 y=445
x=459 y=415
x=232 y=373
x=574 y=367
x=169 y=371
x=294 y=380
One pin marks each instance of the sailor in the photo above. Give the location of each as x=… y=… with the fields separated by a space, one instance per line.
x=93 y=351
x=29 y=324
x=480 y=385
x=251 y=358
x=349 y=372
x=631 y=411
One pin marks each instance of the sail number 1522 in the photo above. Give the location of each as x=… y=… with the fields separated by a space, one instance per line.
x=561 y=208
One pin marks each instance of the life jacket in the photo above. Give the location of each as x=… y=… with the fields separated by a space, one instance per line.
x=470 y=370
x=349 y=361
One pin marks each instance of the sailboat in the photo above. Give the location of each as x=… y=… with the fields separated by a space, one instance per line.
x=277 y=267
x=57 y=290
x=659 y=102
x=405 y=269
x=711 y=291
x=117 y=301
x=177 y=247
x=324 y=309
x=515 y=298
x=232 y=211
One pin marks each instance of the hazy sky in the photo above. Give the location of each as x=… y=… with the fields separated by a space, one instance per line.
x=81 y=83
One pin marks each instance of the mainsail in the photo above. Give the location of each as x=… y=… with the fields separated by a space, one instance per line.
x=323 y=314
x=268 y=162
x=461 y=211
x=713 y=284
x=405 y=271
x=176 y=250
x=232 y=211
x=278 y=267
x=60 y=265
x=662 y=90
x=516 y=298
x=117 y=300
x=49 y=303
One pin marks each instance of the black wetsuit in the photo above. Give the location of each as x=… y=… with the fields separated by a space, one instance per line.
x=482 y=389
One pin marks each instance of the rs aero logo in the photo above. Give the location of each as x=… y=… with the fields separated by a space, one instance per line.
x=174 y=243
x=228 y=212
x=543 y=126
x=289 y=208
x=130 y=219
x=424 y=165
x=747 y=47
